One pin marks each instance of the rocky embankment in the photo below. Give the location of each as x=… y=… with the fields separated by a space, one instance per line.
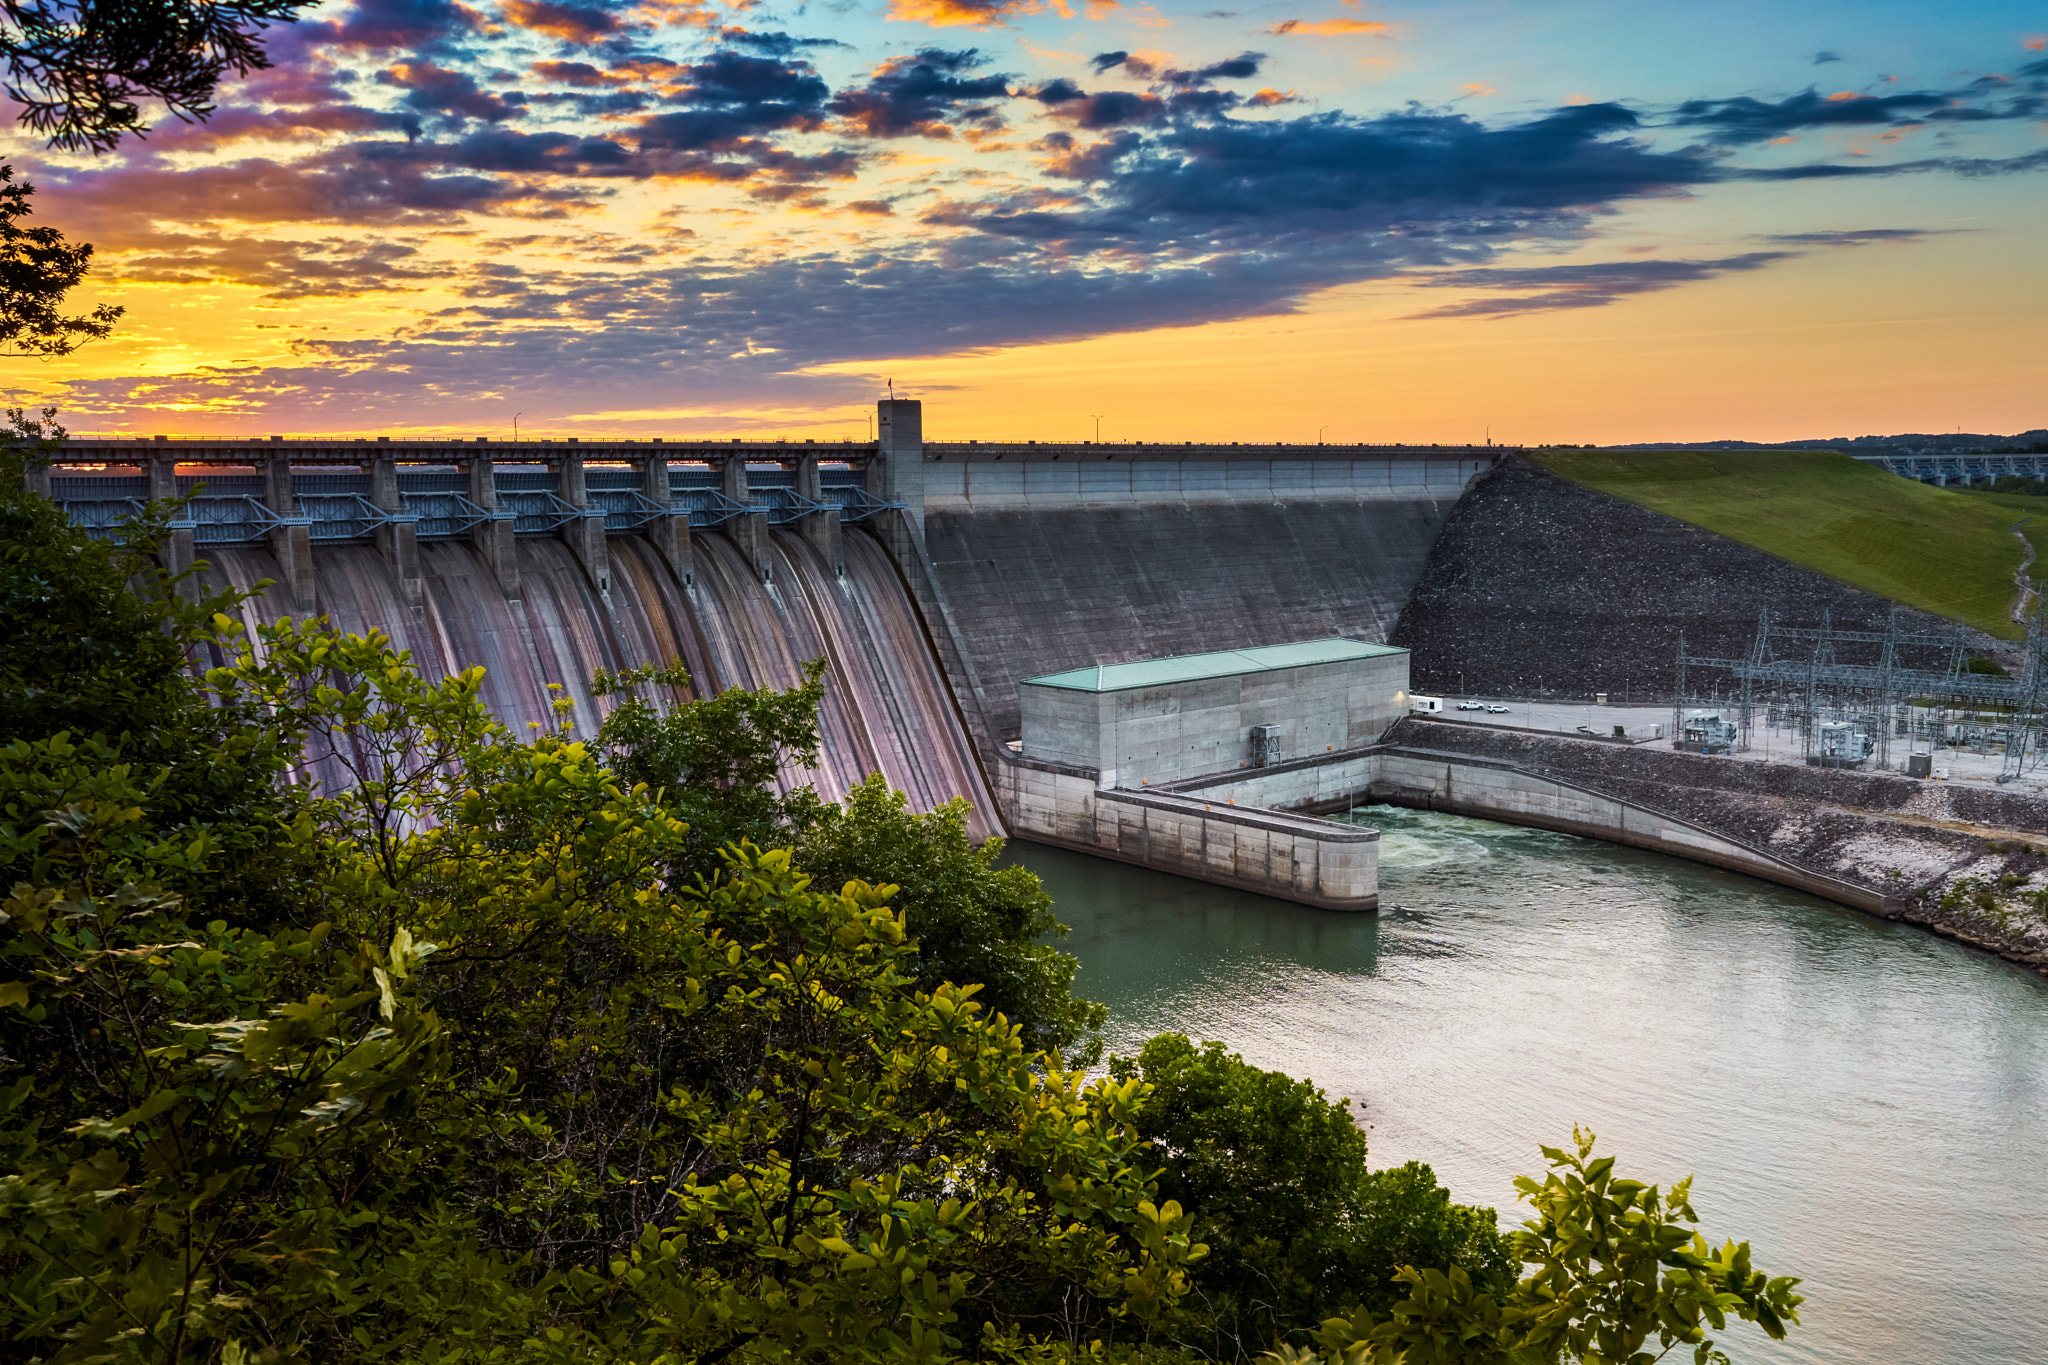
x=1965 y=861
x=1538 y=584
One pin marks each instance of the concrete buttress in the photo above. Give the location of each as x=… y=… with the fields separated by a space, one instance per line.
x=496 y=539
x=398 y=537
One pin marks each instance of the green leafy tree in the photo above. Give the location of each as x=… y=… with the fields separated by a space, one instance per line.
x=101 y=649
x=514 y=1091
x=77 y=67
x=38 y=268
x=715 y=760
x=1617 y=1275
x=973 y=918
x=1299 y=1227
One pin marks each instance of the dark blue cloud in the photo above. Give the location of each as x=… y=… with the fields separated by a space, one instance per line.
x=417 y=26
x=919 y=94
x=1228 y=184
x=1970 y=167
x=1581 y=286
x=432 y=89
x=1744 y=120
x=1241 y=67
x=1114 y=109
x=1823 y=58
x=730 y=95
x=1853 y=236
x=773 y=44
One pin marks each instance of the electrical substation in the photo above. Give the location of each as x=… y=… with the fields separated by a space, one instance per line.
x=1890 y=699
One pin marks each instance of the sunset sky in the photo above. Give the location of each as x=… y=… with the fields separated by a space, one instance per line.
x=1554 y=220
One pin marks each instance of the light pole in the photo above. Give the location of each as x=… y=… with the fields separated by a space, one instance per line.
x=1098 y=426
x=1319 y=433
x=515 y=426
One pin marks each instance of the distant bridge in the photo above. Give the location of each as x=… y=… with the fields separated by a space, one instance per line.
x=1943 y=470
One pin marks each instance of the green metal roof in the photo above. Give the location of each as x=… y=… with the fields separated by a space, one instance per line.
x=1194 y=667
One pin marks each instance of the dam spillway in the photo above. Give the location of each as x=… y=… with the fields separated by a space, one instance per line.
x=885 y=710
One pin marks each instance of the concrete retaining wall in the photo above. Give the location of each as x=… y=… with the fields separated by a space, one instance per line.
x=1515 y=795
x=1291 y=857
x=1521 y=797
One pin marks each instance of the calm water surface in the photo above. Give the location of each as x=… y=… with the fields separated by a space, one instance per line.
x=1865 y=1103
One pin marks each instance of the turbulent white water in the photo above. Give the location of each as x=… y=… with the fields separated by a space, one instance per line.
x=1864 y=1102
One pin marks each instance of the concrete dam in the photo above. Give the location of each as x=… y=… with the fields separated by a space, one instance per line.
x=938 y=578
x=933 y=577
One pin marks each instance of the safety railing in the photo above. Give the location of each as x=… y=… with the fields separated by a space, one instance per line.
x=448 y=515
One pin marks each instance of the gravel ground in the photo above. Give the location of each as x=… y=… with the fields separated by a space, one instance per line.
x=1538 y=586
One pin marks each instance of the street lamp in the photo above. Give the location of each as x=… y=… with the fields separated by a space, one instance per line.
x=1098 y=426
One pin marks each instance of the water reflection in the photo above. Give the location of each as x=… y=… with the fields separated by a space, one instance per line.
x=1866 y=1102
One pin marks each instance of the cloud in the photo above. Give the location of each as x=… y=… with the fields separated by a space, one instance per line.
x=1104 y=61
x=388 y=25
x=1058 y=92
x=1243 y=66
x=568 y=22
x=1111 y=109
x=1597 y=285
x=1973 y=168
x=432 y=89
x=1430 y=177
x=915 y=95
x=284 y=270
x=1327 y=28
x=773 y=44
x=961 y=13
x=1823 y=58
x=1744 y=120
x=730 y=95
x=1854 y=237
x=1581 y=286
x=346 y=185
x=578 y=74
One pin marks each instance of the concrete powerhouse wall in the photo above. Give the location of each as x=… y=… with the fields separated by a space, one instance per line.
x=1175 y=731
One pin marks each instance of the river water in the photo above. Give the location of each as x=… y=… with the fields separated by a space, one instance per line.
x=1864 y=1102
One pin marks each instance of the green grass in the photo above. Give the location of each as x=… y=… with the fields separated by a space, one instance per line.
x=1941 y=550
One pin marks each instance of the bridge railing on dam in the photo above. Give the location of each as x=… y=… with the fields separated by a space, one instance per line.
x=1031 y=474
x=293 y=495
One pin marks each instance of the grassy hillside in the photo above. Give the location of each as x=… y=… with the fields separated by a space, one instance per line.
x=1948 y=552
